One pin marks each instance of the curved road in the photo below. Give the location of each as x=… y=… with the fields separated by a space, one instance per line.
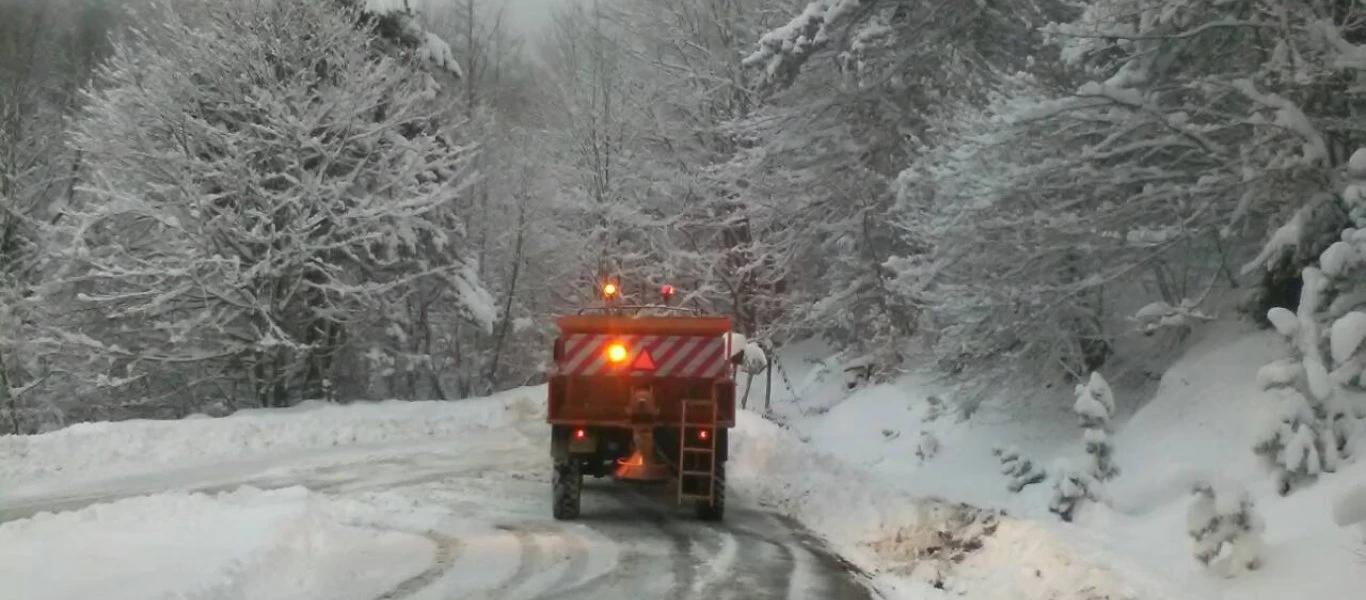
x=629 y=543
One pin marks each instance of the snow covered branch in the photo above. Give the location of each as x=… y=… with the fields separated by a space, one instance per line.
x=260 y=192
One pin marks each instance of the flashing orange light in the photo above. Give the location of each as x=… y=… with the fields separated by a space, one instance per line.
x=616 y=353
x=609 y=289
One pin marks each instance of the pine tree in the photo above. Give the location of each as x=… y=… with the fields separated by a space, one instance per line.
x=1071 y=487
x=1225 y=519
x=1095 y=406
x=1018 y=468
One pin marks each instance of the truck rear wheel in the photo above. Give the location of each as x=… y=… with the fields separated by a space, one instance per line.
x=567 y=483
x=716 y=509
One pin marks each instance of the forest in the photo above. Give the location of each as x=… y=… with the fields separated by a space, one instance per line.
x=208 y=205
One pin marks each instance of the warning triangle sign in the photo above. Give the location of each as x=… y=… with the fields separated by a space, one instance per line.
x=643 y=362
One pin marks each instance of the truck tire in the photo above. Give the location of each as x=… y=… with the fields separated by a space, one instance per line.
x=716 y=509
x=567 y=483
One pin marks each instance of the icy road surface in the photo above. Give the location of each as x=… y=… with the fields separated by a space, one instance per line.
x=460 y=517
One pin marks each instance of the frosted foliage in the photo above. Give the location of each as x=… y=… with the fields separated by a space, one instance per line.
x=429 y=46
x=1317 y=377
x=927 y=447
x=1310 y=431
x=1288 y=441
x=1018 y=469
x=240 y=230
x=1071 y=486
x=1161 y=315
x=1283 y=372
x=1226 y=529
x=1285 y=321
x=1095 y=407
x=1346 y=336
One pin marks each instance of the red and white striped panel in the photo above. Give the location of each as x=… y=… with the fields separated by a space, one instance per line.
x=673 y=355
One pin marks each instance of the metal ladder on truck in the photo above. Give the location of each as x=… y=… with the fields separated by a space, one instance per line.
x=697 y=450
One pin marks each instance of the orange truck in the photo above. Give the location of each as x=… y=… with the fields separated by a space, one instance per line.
x=644 y=394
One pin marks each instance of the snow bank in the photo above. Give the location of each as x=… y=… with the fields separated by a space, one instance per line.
x=1199 y=426
x=99 y=448
x=284 y=544
x=915 y=545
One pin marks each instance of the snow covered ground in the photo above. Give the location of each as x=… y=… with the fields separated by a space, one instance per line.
x=245 y=544
x=422 y=501
x=1199 y=426
x=450 y=500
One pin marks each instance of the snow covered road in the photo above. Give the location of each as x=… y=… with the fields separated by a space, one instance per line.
x=465 y=516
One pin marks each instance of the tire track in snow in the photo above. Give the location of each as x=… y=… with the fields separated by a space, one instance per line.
x=770 y=580
x=447 y=553
x=529 y=562
x=639 y=533
x=830 y=575
x=684 y=570
x=720 y=565
x=551 y=539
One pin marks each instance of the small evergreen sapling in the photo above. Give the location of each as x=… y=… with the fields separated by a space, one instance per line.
x=1226 y=529
x=1312 y=430
x=1095 y=406
x=1309 y=432
x=927 y=447
x=1018 y=468
x=1071 y=486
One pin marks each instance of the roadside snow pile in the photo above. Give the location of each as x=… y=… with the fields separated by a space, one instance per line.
x=1200 y=429
x=916 y=545
x=96 y=448
x=1150 y=523
x=264 y=545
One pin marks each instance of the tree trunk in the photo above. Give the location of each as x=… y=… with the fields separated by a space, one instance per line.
x=506 y=326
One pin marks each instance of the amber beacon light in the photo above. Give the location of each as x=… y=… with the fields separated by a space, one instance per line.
x=617 y=353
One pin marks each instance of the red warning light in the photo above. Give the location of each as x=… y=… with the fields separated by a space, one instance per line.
x=702 y=434
x=667 y=290
x=579 y=434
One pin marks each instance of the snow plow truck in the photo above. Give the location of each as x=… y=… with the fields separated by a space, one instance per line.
x=644 y=394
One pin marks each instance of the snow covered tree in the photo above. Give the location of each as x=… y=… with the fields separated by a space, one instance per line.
x=1095 y=406
x=1223 y=521
x=47 y=51
x=1147 y=165
x=597 y=139
x=1018 y=468
x=261 y=191
x=1308 y=433
x=832 y=74
x=927 y=447
x=1315 y=426
x=1071 y=487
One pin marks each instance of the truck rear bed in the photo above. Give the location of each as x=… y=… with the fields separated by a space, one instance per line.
x=676 y=357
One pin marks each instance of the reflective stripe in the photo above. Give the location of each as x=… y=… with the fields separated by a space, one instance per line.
x=674 y=356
